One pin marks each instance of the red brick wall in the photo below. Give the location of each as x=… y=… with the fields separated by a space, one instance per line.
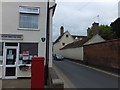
x=105 y=54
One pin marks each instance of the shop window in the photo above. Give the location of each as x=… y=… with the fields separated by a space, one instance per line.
x=31 y=47
x=27 y=51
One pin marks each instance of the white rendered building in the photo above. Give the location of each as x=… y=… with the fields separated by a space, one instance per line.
x=23 y=35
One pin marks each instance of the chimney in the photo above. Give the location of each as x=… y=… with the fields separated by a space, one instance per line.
x=95 y=24
x=95 y=28
x=61 y=30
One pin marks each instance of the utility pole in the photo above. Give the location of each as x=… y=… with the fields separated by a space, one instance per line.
x=47 y=43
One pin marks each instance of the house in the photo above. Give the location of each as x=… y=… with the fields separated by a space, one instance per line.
x=64 y=39
x=115 y=26
x=75 y=49
x=23 y=36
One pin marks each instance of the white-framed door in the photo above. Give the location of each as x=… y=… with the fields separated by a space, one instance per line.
x=10 y=62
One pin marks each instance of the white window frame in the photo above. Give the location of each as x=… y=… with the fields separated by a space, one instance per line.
x=1 y=56
x=23 y=10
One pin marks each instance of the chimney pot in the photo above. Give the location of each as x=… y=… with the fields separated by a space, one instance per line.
x=61 y=30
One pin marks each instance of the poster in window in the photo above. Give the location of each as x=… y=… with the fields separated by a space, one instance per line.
x=25 y=55
x=10 y=55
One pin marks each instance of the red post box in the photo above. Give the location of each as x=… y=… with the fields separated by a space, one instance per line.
x=37 y=73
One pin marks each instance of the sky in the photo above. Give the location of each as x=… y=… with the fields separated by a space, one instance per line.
x=77 y=15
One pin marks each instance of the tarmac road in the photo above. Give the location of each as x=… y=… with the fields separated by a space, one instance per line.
x=84 y=77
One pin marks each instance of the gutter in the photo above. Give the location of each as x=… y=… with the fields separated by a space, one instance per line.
x=53 y=7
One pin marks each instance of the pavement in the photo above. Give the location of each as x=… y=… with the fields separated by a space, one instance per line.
x=15 y=84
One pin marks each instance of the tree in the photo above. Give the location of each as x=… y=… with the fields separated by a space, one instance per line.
x=104 y=31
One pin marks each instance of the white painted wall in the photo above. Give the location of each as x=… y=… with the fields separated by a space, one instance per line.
x=57 y=46
x=10 y=25
x=10 y=20
x=77 y=53
x=50 y=42
x=73 y=53
x=65 y=39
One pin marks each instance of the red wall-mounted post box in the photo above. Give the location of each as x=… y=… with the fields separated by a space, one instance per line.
x=37 y=73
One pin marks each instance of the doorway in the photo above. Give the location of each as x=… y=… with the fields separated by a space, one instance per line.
x=10 y=59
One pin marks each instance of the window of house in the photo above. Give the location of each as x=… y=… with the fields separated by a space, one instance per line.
x=66 y=35
x=63 y=44
x=28 y=18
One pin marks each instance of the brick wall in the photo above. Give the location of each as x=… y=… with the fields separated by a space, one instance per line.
x=104 y=54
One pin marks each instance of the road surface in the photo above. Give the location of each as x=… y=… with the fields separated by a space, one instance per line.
x=84 y=77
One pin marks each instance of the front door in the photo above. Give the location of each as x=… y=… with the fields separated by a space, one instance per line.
x=10 y=62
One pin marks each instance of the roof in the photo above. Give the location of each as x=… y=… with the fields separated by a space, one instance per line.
x=95 y=39
x=57 y=40
x=117 y=20
x=75 y=44
x=74 y=36
x=84 y=41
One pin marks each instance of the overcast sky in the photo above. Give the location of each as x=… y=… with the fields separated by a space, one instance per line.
x=77 y=15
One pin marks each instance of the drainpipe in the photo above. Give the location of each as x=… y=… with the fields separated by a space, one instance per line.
x=47 y=44
x=47 y=39
x=53 y=7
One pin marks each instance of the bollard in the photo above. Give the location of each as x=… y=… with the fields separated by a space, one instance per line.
x=37 y=73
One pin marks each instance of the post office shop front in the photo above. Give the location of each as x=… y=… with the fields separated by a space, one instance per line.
x=17 y=59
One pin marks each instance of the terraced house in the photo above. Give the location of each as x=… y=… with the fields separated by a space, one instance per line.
x=23 y=35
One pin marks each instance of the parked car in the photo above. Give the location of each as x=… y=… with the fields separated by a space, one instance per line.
x=58 y=57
